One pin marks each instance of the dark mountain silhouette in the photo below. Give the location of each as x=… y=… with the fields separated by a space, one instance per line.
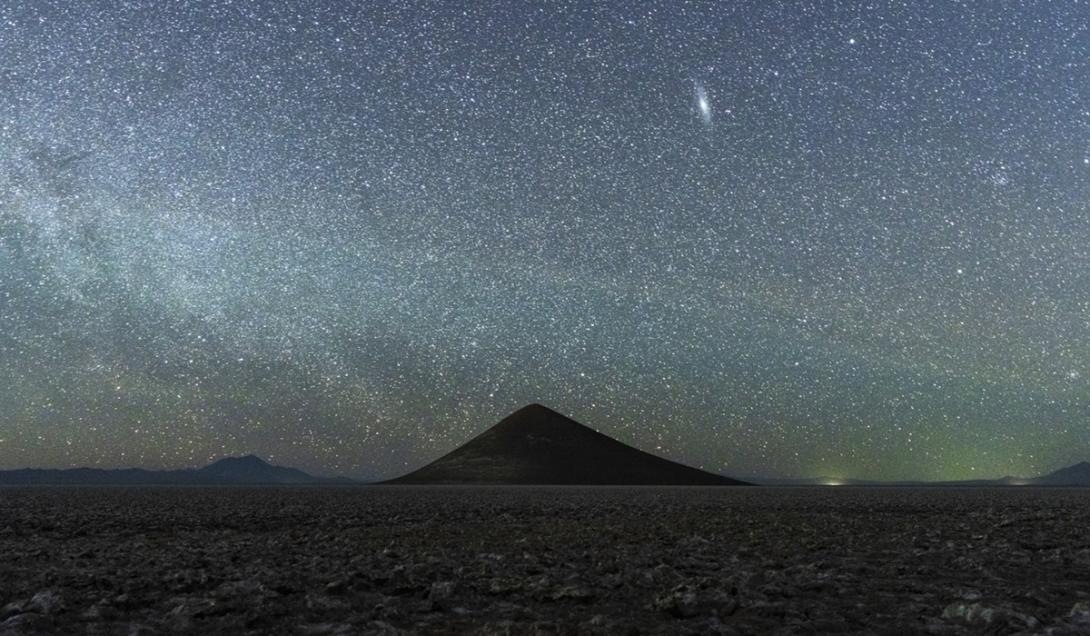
x=536 y=445
x=228 y=471
x=1077 y=475
x=251 y=469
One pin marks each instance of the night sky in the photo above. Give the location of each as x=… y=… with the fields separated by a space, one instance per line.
x=837 y=239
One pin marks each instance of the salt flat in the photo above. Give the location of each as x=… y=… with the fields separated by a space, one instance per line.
x=499 y=560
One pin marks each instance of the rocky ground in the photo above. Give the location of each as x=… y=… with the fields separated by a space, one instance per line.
x=392 y=560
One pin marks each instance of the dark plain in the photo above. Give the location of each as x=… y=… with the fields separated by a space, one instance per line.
x=544 y=560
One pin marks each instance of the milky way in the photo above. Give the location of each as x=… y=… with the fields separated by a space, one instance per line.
x=703 y=105
x=347 y=239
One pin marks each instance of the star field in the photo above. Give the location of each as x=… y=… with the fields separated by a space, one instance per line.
x=832 y=238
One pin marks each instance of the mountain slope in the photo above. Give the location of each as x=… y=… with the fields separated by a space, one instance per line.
x=1077 y=475
x=536 y=445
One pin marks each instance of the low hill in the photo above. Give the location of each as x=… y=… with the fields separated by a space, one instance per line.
x=250 y=470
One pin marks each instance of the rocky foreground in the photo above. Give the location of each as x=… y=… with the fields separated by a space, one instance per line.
x=389 y=560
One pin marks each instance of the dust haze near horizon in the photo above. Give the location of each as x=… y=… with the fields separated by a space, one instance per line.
x=781 y=239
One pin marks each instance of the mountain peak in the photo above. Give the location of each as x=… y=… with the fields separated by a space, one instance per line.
x=532 y=412
x=537 y=445
x=253 y=469
x=249 y=461
x=536 y=418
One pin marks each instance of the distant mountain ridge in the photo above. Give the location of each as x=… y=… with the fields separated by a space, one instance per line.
x=245 y=470
x=485 y=467
x=538 y=446
x=1075 y=475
